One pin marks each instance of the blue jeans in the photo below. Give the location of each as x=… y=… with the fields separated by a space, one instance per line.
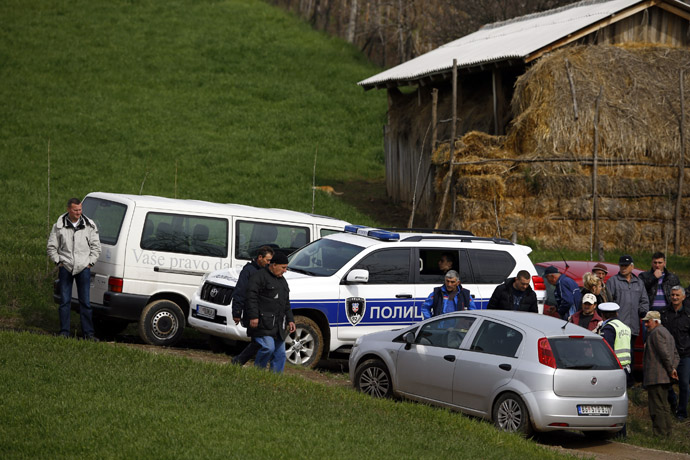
x=683 y=382
x=272 y=350
x=83 y=279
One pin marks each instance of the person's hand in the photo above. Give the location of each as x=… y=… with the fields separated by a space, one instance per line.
x=236 y=320
x=292 y=327
x=674 y=374
x=254 y=323
x=658 y=273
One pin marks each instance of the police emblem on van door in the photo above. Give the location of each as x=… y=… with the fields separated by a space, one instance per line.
x=354 y=306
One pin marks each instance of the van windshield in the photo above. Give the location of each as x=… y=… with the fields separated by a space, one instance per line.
x=108 y=216
x=323 y=257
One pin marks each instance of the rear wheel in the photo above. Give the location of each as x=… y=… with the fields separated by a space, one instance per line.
x=373 y=378
x=304 y=347
x=162 y=323
x=510 y=414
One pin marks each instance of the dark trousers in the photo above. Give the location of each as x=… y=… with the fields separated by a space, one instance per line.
x=248 y=353
x=659 y=409
x=83 y=280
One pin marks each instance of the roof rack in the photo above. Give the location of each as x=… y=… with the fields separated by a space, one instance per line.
x=443 y=231
x=461 y=238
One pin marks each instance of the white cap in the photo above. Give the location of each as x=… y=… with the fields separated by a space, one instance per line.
x=589 y=298
x=609 y=306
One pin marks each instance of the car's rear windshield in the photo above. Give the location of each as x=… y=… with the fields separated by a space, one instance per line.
x=108 y=216
x=582 y=353
x=323 y=257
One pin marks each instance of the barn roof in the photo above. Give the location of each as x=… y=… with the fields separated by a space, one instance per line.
x=520 y=39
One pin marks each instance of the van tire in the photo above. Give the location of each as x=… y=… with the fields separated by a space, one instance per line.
x=162 y=323
x=304 y=347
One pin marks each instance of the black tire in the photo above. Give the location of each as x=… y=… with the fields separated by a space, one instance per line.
x=304 y=347
x=373 y=378
x=510 y=414
x=162 y=323
x=108 y=328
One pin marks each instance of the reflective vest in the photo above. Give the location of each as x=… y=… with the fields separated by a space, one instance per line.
x=621 y=346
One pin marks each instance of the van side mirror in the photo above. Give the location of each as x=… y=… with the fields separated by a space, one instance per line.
x=358 y=276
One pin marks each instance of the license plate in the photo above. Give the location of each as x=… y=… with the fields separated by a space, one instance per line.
x=593 y=410
x=205 y=312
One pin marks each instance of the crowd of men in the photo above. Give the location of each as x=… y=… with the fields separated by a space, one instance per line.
x=612 y=308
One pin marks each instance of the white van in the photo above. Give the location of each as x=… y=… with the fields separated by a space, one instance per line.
x=155 y=251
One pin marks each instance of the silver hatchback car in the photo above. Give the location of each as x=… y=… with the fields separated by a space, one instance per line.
x=523 y=371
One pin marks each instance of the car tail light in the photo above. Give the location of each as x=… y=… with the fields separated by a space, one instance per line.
x=576 y=336
x=614 y=354
x=564 y=425
x=115 y=284
x=538 y=282
x=545 y=353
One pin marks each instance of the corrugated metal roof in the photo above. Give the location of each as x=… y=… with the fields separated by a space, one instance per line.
x=513 y=39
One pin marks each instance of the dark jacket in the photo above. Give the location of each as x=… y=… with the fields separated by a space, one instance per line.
x=651 y=282
x=660 y=357
x=568 y=299
x=678 y=324
x=502 y=298
x=239 y=295
x=632 y=298
x=600 y=298
x=268 y=299
x=433 y=305
x=595 y=320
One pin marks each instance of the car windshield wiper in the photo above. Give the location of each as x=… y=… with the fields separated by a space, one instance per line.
x=300 y=270
x=581 y=366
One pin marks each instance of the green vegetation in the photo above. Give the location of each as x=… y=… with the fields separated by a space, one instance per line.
x=224 y=101
x=74 y=399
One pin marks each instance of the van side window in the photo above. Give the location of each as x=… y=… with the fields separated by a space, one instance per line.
x=430 y=271
x=108 y=216
x=491 y=267
x=389 y=266
x=196 y=235
x=250 y=236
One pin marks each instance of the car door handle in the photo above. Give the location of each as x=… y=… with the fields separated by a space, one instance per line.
x=505 y=367
x=450 y=358
x=403 y=296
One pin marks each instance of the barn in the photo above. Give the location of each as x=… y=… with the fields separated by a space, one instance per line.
x=519 y=98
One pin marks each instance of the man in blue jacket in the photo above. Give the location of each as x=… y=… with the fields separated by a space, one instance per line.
x=567 y=292
x=447 y=298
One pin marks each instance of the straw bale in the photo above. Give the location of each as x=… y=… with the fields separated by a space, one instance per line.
x=471 y=209
x=483 y=187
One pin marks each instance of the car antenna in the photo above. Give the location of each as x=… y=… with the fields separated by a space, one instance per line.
x=566 y=323
x=564 y=262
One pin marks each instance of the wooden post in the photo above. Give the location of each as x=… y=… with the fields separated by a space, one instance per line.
x=453 y=192
x=452 y=144
x=595 y=155
x=434 y=118
x=681 y=164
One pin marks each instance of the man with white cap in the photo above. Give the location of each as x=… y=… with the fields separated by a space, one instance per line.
x=660 y=364
x=617 y=335
x=587 y=316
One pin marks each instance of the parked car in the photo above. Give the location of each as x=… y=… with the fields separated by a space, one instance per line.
x=156 y=250
x=576 y=269
x=523 y=371
x=365 y=280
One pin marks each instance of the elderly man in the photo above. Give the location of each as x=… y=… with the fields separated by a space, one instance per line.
x=447 y=298
x=514 y=294
x=628 y=291
x=658 y=282
x=567 y=292
x=660 y=363
x=601 y=271
x=587 y=316
x=676 y=318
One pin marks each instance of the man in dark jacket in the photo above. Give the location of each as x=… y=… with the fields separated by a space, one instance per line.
x=676 y=318
x=658 y=282
x=660 y=363
x=514 y=294
x=269 y=313
x=448 y=298
x=263 y=258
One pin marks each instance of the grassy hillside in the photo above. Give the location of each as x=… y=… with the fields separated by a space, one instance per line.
x=217 y=100
x=73 y=399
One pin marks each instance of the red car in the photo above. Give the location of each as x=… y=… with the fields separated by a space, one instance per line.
x=575 y=269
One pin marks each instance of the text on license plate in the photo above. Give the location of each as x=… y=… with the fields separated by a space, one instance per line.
x=593 y=410
x=206 y=312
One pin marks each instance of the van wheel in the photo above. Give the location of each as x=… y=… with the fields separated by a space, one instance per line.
x=510 y=414
x=162 y=323
x=304 y=346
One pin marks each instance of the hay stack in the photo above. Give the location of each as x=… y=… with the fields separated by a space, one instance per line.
x=551 y=201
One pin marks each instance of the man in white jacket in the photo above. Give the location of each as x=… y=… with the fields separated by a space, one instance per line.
x=74 y=246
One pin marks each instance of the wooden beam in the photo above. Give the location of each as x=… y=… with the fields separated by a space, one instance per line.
x=592 y=28
x=675 y=10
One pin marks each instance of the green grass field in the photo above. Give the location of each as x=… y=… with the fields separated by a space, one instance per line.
x=226 y=101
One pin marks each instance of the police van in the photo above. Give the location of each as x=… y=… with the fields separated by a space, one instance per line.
x=155 y=251
x=365 y=280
